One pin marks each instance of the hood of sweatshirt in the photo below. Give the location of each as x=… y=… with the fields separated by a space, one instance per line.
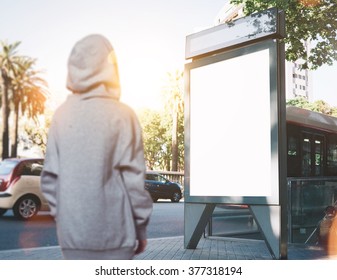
x=92 y=67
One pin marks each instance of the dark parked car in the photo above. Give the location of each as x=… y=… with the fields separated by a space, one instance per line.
x=161 y=188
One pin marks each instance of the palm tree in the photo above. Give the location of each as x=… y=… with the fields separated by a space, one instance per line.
x=30 y=92
x=8 y=64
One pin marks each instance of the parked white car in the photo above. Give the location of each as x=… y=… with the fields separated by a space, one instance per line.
x=20 y=187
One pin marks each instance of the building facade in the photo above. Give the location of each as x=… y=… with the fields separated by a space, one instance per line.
x=298 y=81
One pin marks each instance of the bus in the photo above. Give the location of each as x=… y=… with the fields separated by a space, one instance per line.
x=312 y=143
x=311 y=170
x=311 y=178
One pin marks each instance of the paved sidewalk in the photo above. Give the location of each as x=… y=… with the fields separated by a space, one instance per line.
x=172 y=248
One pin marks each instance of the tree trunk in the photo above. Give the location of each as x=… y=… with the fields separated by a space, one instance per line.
x=5 y=115
x=175 y=142
x=14 y=148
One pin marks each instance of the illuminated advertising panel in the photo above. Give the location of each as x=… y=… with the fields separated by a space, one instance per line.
x=235 y=131
x=232 y=127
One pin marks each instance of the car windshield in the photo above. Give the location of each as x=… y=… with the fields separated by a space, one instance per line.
x=7 y=166
x=155 y=177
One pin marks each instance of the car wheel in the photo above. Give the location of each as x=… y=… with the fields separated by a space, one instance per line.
x=2 y=211
x=26 y=207
x=175 y=197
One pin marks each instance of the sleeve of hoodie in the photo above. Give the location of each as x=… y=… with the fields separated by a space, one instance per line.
x=132 y=166
x=49 y=175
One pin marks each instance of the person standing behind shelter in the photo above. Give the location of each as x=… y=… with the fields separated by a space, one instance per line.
x=94 y=170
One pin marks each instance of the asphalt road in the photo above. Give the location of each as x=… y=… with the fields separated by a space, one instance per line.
x=37 y=232
x=167 y=220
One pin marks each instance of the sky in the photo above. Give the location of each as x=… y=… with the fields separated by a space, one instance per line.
x=148 y=37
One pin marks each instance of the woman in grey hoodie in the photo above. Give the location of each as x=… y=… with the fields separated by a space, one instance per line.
x=93 y=176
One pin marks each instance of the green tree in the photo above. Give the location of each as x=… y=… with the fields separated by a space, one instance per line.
x=24 y=92
x=163 y=132
x=167 y=123
x=154 y=137
x=157 y=137
x=29 y=96
x=8 y=65
x=174 y=105
x=38 y=134
x=306 y=20
x=300 y=102
x=316 y=106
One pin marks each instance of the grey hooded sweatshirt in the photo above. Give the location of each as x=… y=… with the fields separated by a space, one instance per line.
x=93 y=176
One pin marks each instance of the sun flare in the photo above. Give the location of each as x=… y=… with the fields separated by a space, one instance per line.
x=332 y=240
x=310 y=3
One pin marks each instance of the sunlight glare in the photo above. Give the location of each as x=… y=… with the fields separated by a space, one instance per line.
x=332 y=241
x=310 y=3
